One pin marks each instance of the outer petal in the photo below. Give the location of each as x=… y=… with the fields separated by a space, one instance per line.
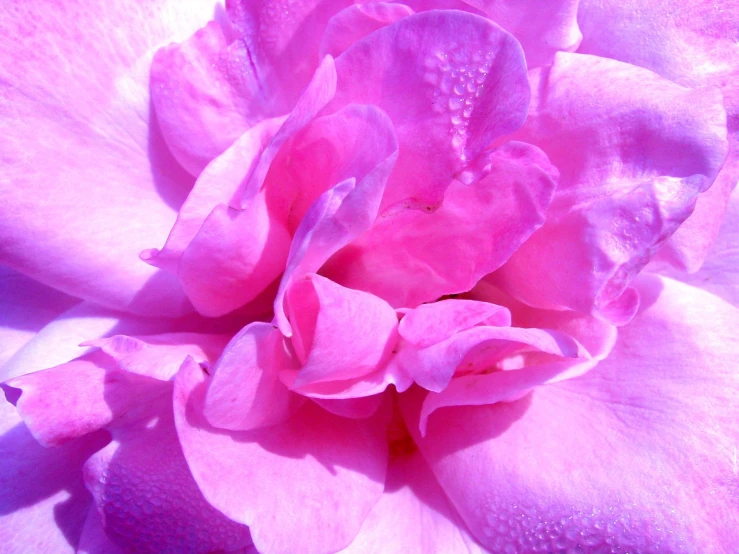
x=146 y=496
x=26 y=306
x=80 y=204
x=632 y=163
x=245 y=392
x=451 y=82
x=331 y=468
x=638 y=454
x=44 y=502
x=413 y=515
x=411 y=256
x=693 y=43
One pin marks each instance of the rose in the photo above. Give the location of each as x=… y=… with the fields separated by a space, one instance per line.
x=124 y=386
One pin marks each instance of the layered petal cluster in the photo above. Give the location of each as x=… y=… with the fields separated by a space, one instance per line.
x=323 y=276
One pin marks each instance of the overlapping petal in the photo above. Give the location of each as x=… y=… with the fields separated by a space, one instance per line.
x=634 y=151
x=637 y=454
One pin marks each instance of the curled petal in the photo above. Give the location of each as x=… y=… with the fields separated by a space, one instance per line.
x=640 y=439
x=413 y=70
x=632 y=164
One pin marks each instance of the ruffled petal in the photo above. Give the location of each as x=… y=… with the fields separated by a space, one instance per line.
x=448 y=96
x=638 y=454
x=332 y=470
x=410 y=256
x=44 y=501
x=79 y=205
x=633 y=154
x=26 y=306
x=412 y=515
x=145 y=494
x=245 y=392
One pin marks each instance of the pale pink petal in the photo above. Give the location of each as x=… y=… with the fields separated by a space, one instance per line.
x=410 y=69
x=145 y=494
x=332 y=470
x=634 y=151
x=637 y=454
x=87 y=179
x=357 y=21
x=245 y=391
x=207 y=92
x=411 y=256
x=44 y=502
x=283 y=40
x=355 y=408
x=693 y=43
x=26 y=306
x=719 y=274
x=338 y=333
x=221 y=182
x=413 y=515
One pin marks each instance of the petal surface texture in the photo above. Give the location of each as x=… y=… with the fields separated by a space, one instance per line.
x=638 y=454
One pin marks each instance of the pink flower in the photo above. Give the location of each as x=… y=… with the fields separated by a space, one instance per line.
x=439 y=276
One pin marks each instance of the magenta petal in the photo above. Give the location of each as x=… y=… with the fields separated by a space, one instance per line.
x=234 y=257
x=221 y=182
x=632 y=163
x=77 y=398
x=44 y=503
x=357 y=21
x=332 y=470
x=338 y=333
x=636 y=454
x=413 y=515
x=406 y=68
x=206 y=94
x=146 y=496
x=245 y=391
x=474 y=231
x=93 y=539
x=79 y=205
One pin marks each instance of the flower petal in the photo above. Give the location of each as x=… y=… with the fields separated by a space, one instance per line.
x=704 y=36
x=638 y=454
x=411 y=256
x=633 y=154
x=107 y=182
x=245 y=392
x=44 y=502
x=331 y=468
x=145 y=494
x=424 y=71
x=26 y=306
x=412 y=515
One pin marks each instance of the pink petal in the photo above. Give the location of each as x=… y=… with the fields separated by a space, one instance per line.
x=245 y=392
x=618 y=199
x=26 y=306
x=79 y=205
x=221 y=182
x=412 y=515
x=355 y=408
x=705 y=36
x=339 y=333
x=474 y=231
x=93 y=539
x=636 y=454
x=350 y=143
x=146 y=496
x=283 y=41
x=206 y=93
x=44 y=502
x=406 y=69
x=357 y=21
x=331 y=469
